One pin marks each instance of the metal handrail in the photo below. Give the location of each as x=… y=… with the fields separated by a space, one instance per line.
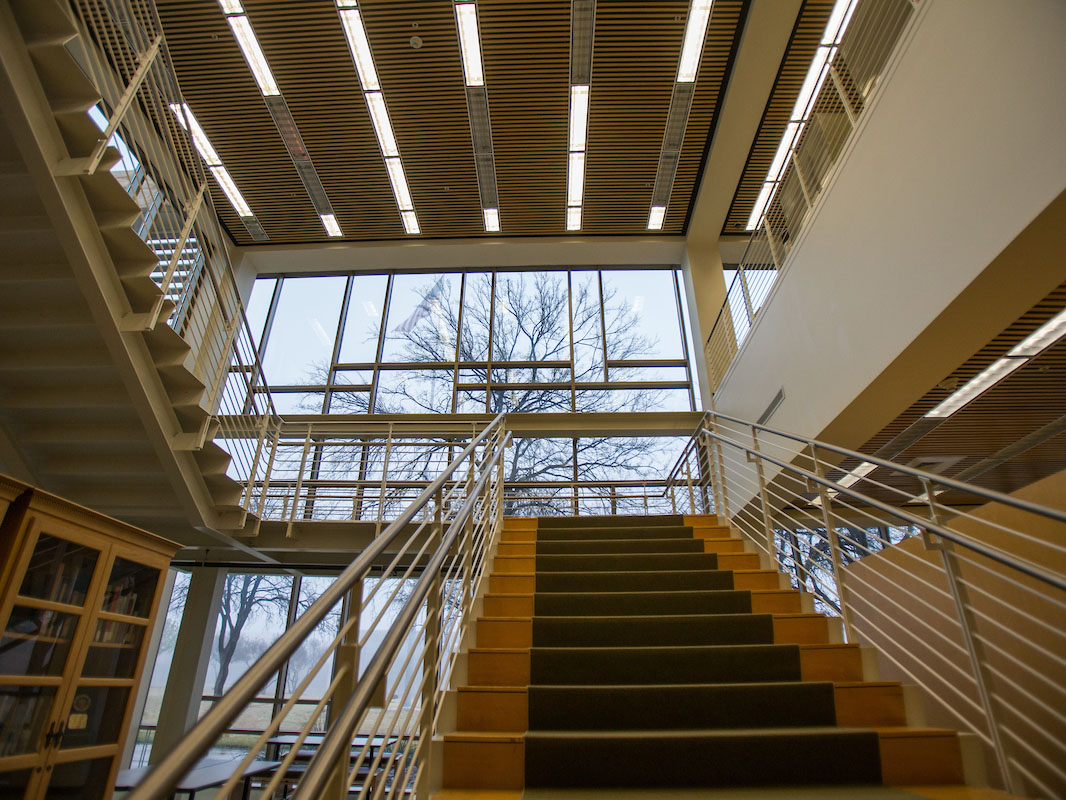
x=994 y=553
x=920 y=474
x=336 y=743
x=168 y=772
x=762 y=488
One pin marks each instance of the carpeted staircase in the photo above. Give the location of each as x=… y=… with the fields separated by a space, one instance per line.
x=626 y=652
x=649 y=669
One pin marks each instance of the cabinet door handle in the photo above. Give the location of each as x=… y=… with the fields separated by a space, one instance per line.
x=60 y=733
x=48 y=737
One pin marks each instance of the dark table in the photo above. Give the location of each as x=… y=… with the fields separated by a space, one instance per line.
x=207 y=774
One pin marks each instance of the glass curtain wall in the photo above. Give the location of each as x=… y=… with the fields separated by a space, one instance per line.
x=476 y=341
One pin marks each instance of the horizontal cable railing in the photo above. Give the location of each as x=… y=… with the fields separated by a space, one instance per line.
x=392 y=649
x=961 y=587
x=847 y=68
x=123 y=51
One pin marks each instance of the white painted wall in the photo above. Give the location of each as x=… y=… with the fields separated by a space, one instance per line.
x=965 y=144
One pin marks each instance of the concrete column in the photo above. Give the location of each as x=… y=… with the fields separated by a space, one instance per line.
x=192 y=653
x=705 y=292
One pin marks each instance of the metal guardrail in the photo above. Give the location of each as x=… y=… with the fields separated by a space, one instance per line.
x=123 y=51
x=396 y=694
x=816 y=510
x=847 y=68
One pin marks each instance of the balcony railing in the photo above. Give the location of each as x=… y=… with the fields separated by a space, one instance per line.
x=961 y=588
x=847 y=69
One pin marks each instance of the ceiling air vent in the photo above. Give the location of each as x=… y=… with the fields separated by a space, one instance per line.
x=582 y=20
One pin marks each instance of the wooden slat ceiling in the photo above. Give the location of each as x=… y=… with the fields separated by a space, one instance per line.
x=526 y=49
x=806 y=36
x=1025 y=401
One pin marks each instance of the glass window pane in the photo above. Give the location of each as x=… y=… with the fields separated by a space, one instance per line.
x=359 y=344
x=641 y=312
x=530 y=322
x=477 y=310
x=530 y=400
x=253 y=614
x=259 y=306
x=36 y=642
x=130 y=588
x=414 y=392
x=59 y=571
x=588 y=335
x=298 y=402
x=304 y=659
x=423 y=315
x=95 y=717
x=24 y=710
x=300 y=346
x=114 y=651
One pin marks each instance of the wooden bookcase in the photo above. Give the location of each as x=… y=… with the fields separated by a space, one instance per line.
x=79 y=593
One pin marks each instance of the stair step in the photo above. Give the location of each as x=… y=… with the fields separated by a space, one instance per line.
x=609 y=521
x=653 y=631
x=722 y=601
x=681 y=706
x=756 y=579
x=608 y=562
x=917 y=756
x=590 y=666
x=705 y=758
x=492 y=708
x=877 y=704
x=504 y=666
x=831 y=662
x=484 y=760
x=722 y=545
x=628 y=546
x=634 y=581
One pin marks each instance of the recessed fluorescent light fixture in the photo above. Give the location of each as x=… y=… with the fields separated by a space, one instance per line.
x=573 y=218
x=253 y=54
x=761 y=202
x=977 y=385
x=231 y=6
x=470 y=43
x=379 y=115
x=410 y=222
x=575 y=181
x=359 y=45
x=839 y=19
x=656 y=217
x=579 y=116
x=199 y=138
x=812 y=83
x=399 y=184
x=1043 y=337
x=231 y=191
x=492 y=220
x=699 y=13
x=860 y=472
x=329 y=222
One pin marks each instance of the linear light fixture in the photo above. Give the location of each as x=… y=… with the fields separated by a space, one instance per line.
x=329 y=222
x=582 y=35
x=850 y=478
x=477 y=108
x=470 y=43
x=656 y=217
x=253 y=54
x=203 y=146
x=1042 y=338
x=839 y=18
x=279 y=110
x=1032 y=345
x=688 y=65
x=363 y=57
x=699 y=14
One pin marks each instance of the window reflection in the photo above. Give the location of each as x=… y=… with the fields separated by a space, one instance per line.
x=528 y=341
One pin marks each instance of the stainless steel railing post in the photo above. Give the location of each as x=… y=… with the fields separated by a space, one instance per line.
x=764 y=500
x=835 y=553
x=974 y=648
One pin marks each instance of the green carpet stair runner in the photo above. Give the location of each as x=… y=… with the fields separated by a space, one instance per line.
x=648 y=669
